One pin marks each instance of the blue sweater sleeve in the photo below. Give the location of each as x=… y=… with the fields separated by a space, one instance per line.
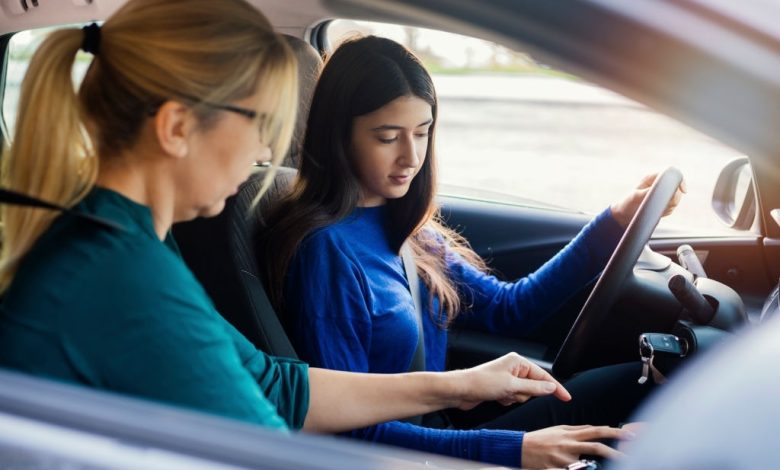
x=331 y=305
x=519 y=306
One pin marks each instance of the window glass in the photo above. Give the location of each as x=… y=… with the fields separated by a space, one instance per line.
x=514 y=130
x=20 y=51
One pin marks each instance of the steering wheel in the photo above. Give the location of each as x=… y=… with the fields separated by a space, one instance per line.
x=595 y=313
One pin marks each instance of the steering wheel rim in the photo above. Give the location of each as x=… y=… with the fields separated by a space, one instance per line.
x=595 y=312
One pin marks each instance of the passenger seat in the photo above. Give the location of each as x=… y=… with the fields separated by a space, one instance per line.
x=219 y=250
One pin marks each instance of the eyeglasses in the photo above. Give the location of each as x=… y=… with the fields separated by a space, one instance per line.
x=249 y=113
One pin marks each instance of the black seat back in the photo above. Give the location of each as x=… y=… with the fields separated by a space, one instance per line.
x=220 y=250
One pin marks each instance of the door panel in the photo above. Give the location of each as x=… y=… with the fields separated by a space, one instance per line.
x=515 y=241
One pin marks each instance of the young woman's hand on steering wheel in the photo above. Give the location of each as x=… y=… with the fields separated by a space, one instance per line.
x=623 y=211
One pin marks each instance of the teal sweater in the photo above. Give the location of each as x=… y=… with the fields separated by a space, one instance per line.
x=119 y=310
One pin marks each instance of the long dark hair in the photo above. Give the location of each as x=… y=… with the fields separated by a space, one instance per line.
x=361 y=76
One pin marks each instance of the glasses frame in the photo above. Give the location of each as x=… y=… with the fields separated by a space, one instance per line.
x=249 y=113
x=246 y=112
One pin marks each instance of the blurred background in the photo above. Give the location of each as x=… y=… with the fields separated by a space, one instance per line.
x=513 y=130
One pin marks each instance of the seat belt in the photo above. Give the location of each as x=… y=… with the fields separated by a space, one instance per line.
x=418 y=360
x=15 y=198
x=437 y=419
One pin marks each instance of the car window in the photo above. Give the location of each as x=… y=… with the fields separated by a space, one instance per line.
x=512 y=129
x=20 y=50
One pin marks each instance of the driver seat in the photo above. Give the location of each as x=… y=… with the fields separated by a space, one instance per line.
x=219 y=250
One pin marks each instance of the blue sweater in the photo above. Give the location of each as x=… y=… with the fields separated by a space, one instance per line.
x=349 y=300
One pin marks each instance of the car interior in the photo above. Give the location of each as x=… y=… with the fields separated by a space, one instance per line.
x=219 y=250
x=699 y=289
x=597 y=327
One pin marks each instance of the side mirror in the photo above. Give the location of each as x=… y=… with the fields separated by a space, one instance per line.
x=734 y=197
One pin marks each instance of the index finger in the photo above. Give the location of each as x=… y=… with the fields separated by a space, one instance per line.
x=537 y=373
x=604 y=432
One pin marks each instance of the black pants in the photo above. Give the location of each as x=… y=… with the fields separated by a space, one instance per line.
x=604 y=396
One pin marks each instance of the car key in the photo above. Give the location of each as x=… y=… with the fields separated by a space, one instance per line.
x=663 y=343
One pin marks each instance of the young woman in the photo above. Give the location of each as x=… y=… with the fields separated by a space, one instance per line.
x=182 y=97
x=365 y=189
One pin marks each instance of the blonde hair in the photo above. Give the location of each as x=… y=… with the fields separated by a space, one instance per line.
x=150 y=51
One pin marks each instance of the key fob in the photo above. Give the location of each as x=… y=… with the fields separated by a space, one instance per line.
x=664 y=343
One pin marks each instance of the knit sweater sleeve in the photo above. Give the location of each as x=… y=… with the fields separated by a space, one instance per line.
x=330 y=305
x=519 y=306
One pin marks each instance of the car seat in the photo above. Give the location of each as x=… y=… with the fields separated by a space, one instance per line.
x=219 y=250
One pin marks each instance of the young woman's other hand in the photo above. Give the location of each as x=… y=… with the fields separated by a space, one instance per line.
x=559 y=446
x=623 y=211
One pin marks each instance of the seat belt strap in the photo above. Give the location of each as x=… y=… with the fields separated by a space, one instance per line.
x=418 y=360
x=15 y=198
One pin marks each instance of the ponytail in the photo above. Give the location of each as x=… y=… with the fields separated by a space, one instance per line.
x=50 y=156
x=147 y=52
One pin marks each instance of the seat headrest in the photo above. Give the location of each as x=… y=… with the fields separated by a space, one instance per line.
x=220 y=250
x=309 y=67
x=279 y=187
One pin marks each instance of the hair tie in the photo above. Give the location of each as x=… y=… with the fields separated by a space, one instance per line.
x=91 y=41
